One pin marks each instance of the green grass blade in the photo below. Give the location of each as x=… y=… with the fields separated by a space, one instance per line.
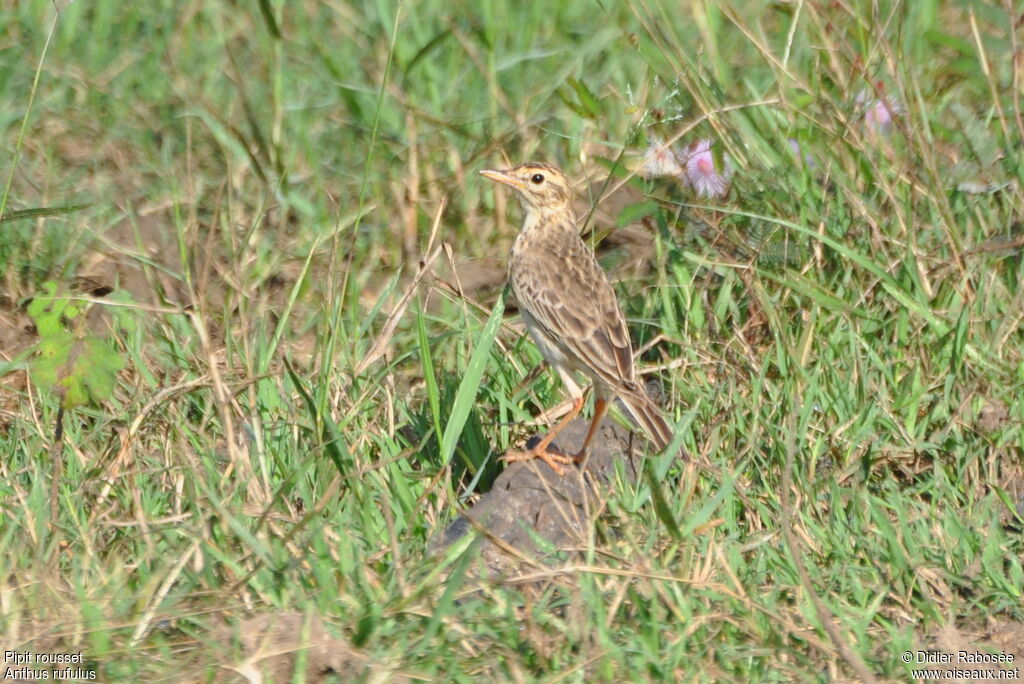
x=465 y=396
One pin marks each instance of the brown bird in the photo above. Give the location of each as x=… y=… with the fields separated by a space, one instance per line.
x=570 y=310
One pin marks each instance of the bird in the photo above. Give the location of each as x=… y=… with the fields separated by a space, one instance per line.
x=570 y=311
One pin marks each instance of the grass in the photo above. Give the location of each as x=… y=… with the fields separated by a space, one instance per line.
x=304 y=404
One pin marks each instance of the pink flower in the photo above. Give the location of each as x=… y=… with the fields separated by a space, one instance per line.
x=878 y=114
x=660 y=160
x=701 y=173
x=798 y=152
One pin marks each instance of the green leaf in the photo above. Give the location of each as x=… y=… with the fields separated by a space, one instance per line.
x=82 y=366
x=661 y=507
x=947 y=40
x=588 y=102
x=631 y=213
x=465 y=396
x=267 y=12
x=429 y=377
x=37 y=212
x=426 y=50
x=334 y=444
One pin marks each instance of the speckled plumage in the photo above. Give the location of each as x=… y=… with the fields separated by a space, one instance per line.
x=569 y=307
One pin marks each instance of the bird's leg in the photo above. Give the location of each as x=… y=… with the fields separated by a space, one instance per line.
x=600 y=408
x=540 y=451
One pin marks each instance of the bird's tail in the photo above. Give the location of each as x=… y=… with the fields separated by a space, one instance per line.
x=647 y=415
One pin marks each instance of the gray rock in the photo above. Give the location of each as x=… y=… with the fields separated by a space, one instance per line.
x=532 y=511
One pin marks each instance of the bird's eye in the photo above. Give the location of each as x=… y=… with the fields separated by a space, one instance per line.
x=537 y=178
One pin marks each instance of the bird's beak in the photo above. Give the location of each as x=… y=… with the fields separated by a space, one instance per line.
x=503 y=177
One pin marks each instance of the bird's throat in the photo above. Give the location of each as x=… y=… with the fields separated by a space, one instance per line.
x=539 y=221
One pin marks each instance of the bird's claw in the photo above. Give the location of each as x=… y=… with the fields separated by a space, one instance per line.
x=554 y=459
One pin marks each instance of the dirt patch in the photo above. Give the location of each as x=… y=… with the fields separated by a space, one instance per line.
x=976 y=654
x=275 y=646
x=17 y=333
x=994 y=415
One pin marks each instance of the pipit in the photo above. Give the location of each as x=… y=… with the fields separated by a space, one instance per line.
x=570 y=310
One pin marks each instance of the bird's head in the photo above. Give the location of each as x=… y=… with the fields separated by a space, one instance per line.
x=540 y=187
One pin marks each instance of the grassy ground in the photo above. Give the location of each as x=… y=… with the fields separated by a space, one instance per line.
x=839 y=338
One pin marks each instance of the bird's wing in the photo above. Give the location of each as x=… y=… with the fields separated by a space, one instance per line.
x=568 y=294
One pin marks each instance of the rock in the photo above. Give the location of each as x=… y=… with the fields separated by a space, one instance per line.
x=531 y=508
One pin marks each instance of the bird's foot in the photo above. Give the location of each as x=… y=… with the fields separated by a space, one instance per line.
x=554 y=459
